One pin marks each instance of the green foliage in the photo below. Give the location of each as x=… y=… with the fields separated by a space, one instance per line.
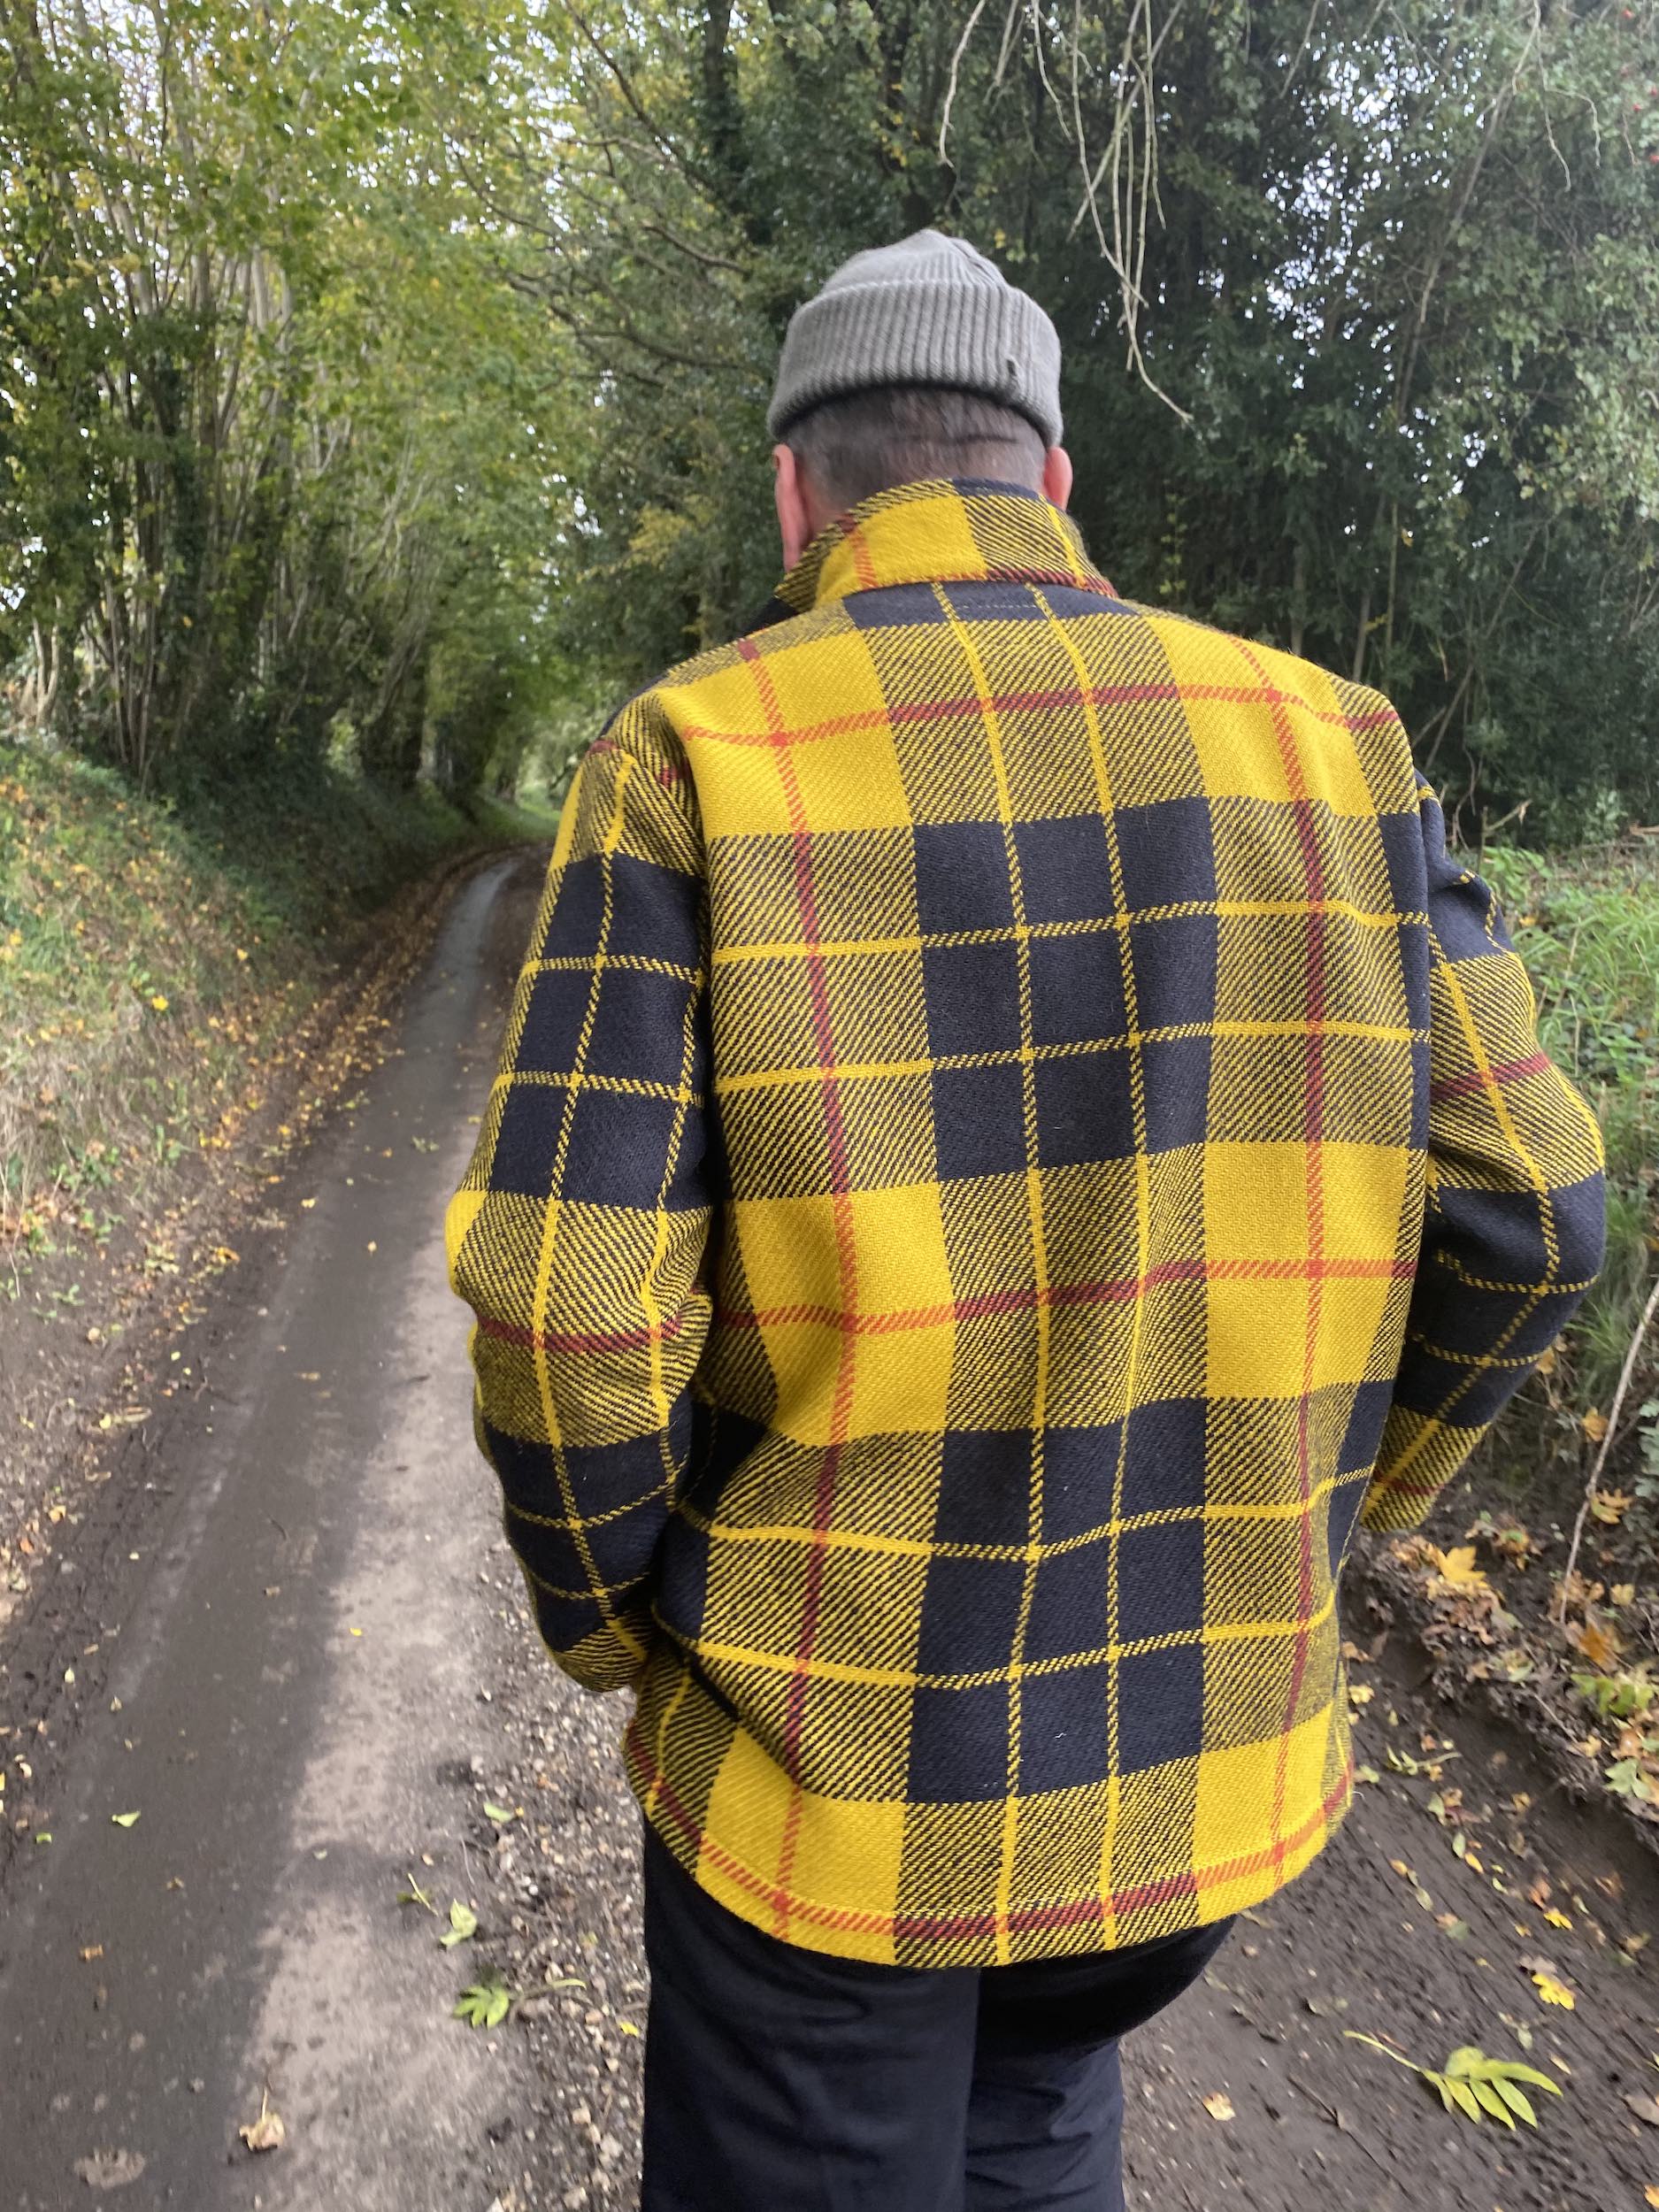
x=486 y=2004
x=1473 y=2084
x=1587 y=926
x=273 y=432
x=1359 y=314
x=367 y=369
x=152 y=955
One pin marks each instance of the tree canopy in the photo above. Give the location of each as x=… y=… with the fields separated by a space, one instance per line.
x=403 y=367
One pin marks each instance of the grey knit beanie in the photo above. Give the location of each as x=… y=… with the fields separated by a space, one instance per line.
x=929 y=310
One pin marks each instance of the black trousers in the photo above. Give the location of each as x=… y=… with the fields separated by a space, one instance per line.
x=778 y=2080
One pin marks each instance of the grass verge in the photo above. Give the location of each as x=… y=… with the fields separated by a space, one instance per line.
x=1576 y=1646
x=150 y=963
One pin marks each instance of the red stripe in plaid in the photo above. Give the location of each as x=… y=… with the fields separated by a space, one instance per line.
x=577 y=1340
x=923 y=1928
x=1484 y=1079
x=1060 y=697
x=1028 y=1298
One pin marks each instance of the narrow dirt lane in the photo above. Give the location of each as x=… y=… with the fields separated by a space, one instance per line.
x=299 y=1691
x=325 y=1671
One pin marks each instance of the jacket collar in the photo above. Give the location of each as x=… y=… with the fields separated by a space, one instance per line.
x=944 y=530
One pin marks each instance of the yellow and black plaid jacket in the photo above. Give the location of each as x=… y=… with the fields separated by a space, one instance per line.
x=1012 y=1131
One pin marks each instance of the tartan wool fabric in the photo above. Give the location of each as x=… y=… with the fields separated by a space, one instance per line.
x=1012 y=1133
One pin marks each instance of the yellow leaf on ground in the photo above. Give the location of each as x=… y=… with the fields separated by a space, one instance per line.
x=1611 y=1506
x=1220 y=2105
x=1594 y=1425
x=1558 y=1919
x=1554 y=1991
x=1598 y=1645
x=1653 y=2193
x=267 y=2133
x=1457 y=1567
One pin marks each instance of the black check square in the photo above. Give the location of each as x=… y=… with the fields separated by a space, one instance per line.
x=1063 y=1729
x=1509 y=1224
x=1065 y=870
x=639 y=1026
x=1364 y=1426
x=1079 y=1474
x=556 y=1016
x=619 y=1149
x=1160 y=1698
x=1167 y=853
x=654 y=913
x=1077 y=988
x=1163 y=1468
x=962 y=878
x=979 y=1121
x=1176 y=1071
x=970 y=1614
x=1084 y=1108
x=895 y=606
x=573 y=928
x=1068 y=1604
x=526 y=1139
x=958 y=1745
x=1342 y=1512
x=1161 y=1579
x=972 y=994
x=985 y=1488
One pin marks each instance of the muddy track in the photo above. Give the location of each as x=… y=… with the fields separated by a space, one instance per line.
x=317 y=1671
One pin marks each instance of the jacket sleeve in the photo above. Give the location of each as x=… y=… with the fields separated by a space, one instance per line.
x=578 y=1233
x=1514 y=1221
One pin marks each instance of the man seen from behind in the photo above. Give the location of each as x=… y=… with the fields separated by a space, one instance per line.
x=1013 y=1135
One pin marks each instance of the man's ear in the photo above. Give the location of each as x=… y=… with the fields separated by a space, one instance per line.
x=795 y=525
x=1056 y=476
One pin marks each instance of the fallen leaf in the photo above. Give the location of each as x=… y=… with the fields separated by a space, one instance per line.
x=1594 y=1425
x=1220 y=2105
x=267 y=2133
x=1554 y=1991
x=1598 y=1644
x=1556 y=1919
x=498 y=1813
x=1457 y=1569
x=462 y=1923
x=1645 y=2109
x=1653 y=2193
x=123 y=1820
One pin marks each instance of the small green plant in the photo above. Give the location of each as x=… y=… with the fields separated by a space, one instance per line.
x=486 y=2004
x=1617 y=1696
x=1470 y=2082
